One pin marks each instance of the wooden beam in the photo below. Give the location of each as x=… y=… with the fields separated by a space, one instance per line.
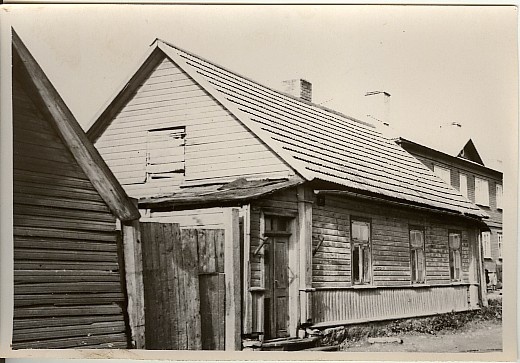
x=52 y=106
x=305 y=197
x=247 y=315
x=134 y=281
x=232 y=280
x=125 y=91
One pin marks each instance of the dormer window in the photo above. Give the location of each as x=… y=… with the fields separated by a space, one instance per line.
x=165 y=152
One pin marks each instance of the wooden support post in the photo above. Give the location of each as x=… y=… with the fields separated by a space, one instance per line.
x=481 y=274
x=232 y=278
x=134 y=281
x=305 y=243
x=247 y=315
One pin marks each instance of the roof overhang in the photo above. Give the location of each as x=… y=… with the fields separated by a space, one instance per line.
x=238 y=191
x=406 y=204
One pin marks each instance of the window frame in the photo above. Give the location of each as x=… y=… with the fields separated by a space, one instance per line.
x=465 y=193
x=499 y=195
x=458 y=255
x=161 y=170
x=365 y=277
x=414 y=272
x=500 y=245
x=486 y=245
x=481 y=199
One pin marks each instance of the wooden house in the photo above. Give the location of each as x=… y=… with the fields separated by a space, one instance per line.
x=462 y=167
x=338 y=225
x=71 y=217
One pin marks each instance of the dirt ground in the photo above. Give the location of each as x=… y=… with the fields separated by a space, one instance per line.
x=473 y=338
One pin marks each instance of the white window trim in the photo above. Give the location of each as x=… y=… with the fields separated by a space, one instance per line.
x=499 y=195
x=481 y=192
x=486 y=244
x=463 y=191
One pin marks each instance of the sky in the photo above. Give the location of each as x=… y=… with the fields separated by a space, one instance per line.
x=441 y=64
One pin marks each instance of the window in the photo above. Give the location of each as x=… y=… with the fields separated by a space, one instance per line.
x=486 y=244
x=499 y=236
x=417 y=255
x=360 y=247
x=165 y=152
x=463 y=182
x=499 y=196
x=481 y=192
x=442 y=173
x=454 y=240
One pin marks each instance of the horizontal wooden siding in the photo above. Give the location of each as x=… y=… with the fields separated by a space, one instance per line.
x=218 y=146
x=390 y=249
x=67 y=283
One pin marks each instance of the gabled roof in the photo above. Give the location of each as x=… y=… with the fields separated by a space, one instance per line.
x=56 y=112
x=469 y=152
x=317 y=142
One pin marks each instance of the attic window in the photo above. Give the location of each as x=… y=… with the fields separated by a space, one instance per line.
x=165 y=152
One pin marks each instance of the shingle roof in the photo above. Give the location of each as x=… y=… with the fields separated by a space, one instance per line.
x=320 y=143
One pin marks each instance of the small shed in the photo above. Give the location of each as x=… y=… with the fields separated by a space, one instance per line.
x=72 y=220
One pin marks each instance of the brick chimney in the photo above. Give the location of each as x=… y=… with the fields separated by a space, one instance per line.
x=379 y=106
x=298 y=88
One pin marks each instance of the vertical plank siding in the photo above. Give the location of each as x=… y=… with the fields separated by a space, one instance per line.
x=218 y=146
x=184 y=282
x=358 y=305
x=67 y=284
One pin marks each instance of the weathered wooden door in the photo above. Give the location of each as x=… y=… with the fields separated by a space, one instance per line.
x=277 y=278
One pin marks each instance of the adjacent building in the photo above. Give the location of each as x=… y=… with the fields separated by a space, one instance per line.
x=462 y=167
x=71 y=220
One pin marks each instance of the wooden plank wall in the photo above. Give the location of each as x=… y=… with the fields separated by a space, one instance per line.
x=218 y=146
x=349 y=305
x=390 y=244
x=68 y=291
x=183 y=272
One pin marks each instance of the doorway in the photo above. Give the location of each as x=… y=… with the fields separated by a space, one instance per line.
x=276 y=259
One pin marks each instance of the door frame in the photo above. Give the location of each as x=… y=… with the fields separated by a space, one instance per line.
x=293 y=266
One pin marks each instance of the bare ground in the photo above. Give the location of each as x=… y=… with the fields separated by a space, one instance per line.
x=484 y=336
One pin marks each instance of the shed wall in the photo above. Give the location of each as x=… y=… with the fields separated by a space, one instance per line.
x=68 y=287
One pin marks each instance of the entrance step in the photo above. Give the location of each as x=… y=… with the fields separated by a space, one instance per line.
x=289 y=344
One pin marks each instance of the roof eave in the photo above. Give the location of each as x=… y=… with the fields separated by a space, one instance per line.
x=124 y=91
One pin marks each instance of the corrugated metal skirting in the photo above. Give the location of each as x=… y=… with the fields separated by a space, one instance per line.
x=358 y=304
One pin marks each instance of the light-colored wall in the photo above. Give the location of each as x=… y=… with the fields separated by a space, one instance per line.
x=218 y=147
